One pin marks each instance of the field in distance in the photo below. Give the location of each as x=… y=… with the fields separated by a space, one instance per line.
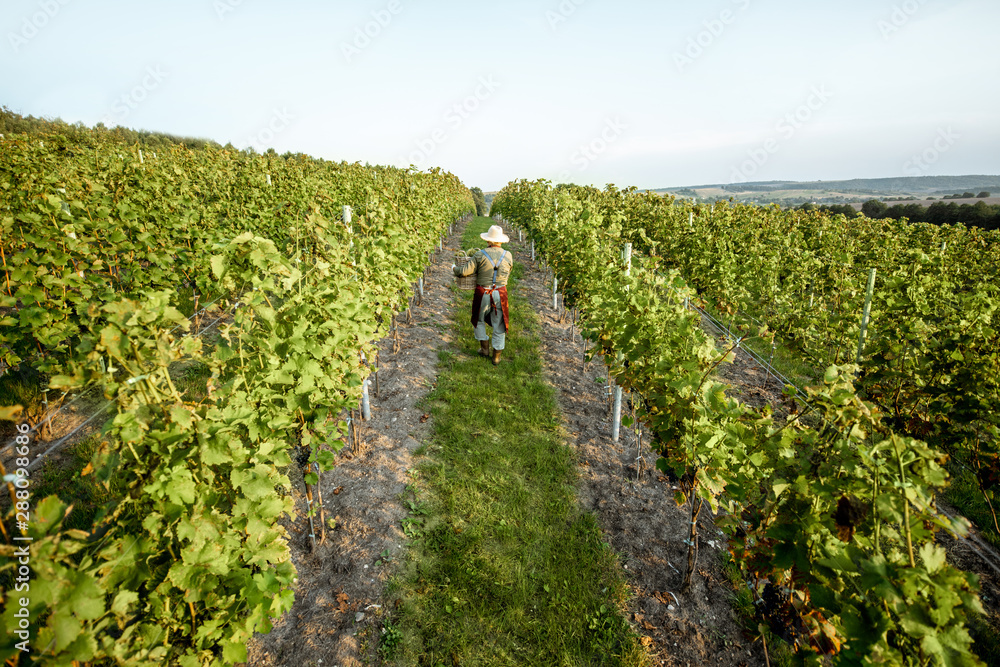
x=856 y=191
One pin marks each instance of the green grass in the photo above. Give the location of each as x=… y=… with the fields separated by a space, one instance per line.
x=184 y=300
x=503 y=567
x=89 y=499
x=25 y=386
x=191 y=379
x=787 y=360
x=985 y=639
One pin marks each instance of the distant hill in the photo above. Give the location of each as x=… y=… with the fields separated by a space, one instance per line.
x=937 y=200
x=874 y=187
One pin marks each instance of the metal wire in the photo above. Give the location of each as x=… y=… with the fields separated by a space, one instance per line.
x=41 y=422
x=721 y=328
x=86 y=390
x=767 y=366
x=986 y=553
x=41 y=457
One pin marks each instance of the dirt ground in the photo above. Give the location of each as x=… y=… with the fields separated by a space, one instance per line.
x=343 y=592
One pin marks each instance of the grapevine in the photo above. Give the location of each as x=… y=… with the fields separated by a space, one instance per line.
x=831 y=519
x=101 y=251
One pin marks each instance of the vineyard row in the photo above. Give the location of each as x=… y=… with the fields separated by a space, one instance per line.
x=103 y=253
x=830 y=517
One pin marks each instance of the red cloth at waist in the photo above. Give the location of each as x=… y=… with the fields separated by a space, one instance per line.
x=477 y=304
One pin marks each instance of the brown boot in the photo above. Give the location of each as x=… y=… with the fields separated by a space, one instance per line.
x=496 y=357
x=484 y=348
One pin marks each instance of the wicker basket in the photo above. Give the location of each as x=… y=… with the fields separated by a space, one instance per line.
x=464 y=282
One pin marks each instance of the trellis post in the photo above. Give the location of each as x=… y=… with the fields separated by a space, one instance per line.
x=865 y=315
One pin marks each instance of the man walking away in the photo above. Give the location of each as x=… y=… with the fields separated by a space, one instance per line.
x=492 y=267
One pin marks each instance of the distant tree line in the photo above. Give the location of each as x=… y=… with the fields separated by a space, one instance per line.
x=878 y=187
x=480 y=199
x=967 y=195
x=979 y=214
x=833 y=209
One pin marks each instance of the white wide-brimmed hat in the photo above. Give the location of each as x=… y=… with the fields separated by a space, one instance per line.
x=495 y=235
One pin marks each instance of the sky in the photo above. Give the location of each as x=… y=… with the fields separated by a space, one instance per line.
x=633 y=92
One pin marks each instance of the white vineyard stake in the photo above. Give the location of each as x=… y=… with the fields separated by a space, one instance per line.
x=867 y=312
x=366 y=404
x=347 y=222
x=616 y=414
x=617 y=410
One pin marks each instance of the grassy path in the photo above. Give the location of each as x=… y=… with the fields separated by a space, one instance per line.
x=504 y=569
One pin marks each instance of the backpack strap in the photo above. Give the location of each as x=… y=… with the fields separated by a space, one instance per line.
x=496 y=265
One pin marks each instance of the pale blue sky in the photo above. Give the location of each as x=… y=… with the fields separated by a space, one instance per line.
x=632 y=92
